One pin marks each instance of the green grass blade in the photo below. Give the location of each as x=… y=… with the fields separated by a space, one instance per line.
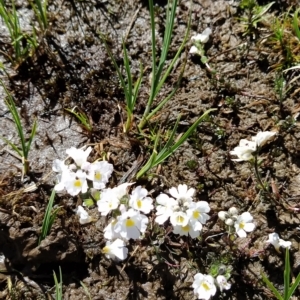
x=31 y=137
x=20 y=153
x=47 y=222
x=153 y=42
x=129 y=104
x=294 y=287
x=168 y=149
x=165 y=153
x=151 y=161
x=287 y=274
x=13 y=110
x=271 y=286
x=121 y=78
x=58 y=286
x=86 y=290
x=295 y=24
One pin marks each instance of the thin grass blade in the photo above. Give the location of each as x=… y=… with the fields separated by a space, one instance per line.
x=271 y=287
x=287 y=274
x=46 y=226
x=294 y=287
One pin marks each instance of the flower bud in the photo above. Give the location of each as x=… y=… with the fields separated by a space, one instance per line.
x=223 y=215
x=229 y=222
x=233 y=211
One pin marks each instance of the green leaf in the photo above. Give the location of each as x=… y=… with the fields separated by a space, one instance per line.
x=271 y=287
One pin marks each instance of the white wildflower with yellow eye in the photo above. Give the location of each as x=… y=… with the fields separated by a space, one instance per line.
x=243 y=224
x=76 y=183
x=131 y=224
x=115 y=250
x=139 y=200
x=197 y=212
x=204 y=286
x=179 y=218
x=99 y=173
x=192 y=229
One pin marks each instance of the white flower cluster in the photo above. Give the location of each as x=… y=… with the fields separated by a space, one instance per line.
x=246 y=148
x=130 y=222
x=198 y=40
x=241 y=223
x=186 y=216
x=74 y=177
x=205 y=286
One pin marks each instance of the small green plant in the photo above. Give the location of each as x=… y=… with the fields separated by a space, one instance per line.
x=254 y=15
x=171 y=146
x=58 y=286
x=289 y=288
x=25 y=145
x=82 y=117
x=159 y=74
x=22 y=43
x=40 y=10
x=49 y=218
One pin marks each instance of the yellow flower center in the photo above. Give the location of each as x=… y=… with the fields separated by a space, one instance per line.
x=242 y=225
x=196 y=214
x=129 y=223
x=186 y=228
x=77 y=183
x=205 y=286
x=139 y=203
x=105 y=250
x=180 y=219
x=98 y=176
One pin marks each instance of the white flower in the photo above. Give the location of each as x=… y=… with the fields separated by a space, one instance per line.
x=233 y=211
x=63 y=173
x=263 y=137
x=84 y=217
x=110 y=198
x=76 y=183
x=244 y=224
x=197 y=212
x=99 y=172
x=192 y=229
x=115 y=249
x=223 y=215
x=179 y=218
x=222 y=283
x=131 y=224
x=78 y=155
x=139 y=201
x=204 y=286
x=182 y=194
x=165 y=208
x=202 y=37
x=109 y=230
x=277 y=242
x=244 y=150
x=195 y=50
